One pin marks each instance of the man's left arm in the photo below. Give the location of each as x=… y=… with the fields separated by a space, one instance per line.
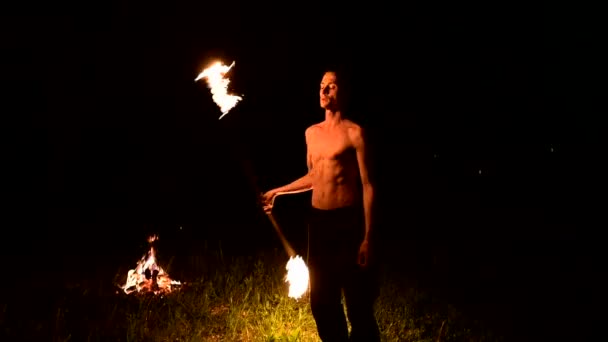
x=363 y=160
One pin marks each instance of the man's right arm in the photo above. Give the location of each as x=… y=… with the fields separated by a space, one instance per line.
x=301 y=184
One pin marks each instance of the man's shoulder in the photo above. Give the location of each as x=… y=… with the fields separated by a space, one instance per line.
x=355 y=132
x=351 y=124
x=353 y=127
x=313 y=128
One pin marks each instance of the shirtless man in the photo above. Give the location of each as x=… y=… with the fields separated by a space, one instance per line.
x=340 y=226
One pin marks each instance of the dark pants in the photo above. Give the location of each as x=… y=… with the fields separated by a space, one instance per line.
x=335 y=237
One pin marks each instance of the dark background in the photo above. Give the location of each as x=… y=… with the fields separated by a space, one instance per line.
x=110 y=139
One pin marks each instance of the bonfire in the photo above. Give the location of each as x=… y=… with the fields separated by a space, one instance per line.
x=148 y=276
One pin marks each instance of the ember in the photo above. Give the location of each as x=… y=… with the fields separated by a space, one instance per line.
x=148 y=276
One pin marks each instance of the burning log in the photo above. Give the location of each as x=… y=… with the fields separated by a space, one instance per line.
x=148 y=276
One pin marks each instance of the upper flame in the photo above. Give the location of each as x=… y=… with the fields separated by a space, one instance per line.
x=297 y=276
x=218 y=84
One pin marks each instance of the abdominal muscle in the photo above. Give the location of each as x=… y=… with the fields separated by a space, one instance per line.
x=334 y=185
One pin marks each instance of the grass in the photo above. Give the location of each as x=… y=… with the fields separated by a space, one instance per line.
x=225 y=298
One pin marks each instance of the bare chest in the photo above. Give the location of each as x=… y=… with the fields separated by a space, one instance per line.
x=330 y=146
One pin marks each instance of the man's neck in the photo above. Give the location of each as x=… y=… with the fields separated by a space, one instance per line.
x=333 y=117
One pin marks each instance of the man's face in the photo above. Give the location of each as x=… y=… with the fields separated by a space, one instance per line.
x=329 y=91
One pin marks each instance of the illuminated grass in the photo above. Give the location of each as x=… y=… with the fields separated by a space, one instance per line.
x=231 y=299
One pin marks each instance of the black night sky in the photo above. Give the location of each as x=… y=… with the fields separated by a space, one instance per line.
x=111 y=138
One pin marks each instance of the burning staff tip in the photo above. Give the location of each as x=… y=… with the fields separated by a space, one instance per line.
x=297 y=276
x=218 y=84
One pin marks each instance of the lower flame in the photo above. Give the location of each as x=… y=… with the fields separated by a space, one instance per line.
x=297 y=277
x=148 y=276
